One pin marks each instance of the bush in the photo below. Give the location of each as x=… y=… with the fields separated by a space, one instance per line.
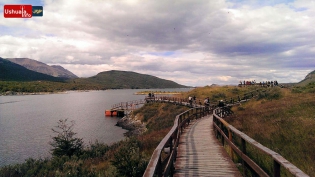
x=271 y=94
x=128 y=159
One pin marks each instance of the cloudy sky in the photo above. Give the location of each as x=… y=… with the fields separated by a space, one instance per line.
x=192 y=42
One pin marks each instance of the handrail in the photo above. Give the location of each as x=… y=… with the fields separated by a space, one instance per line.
x=164 y=156
x=220 y=128
x=163 y=166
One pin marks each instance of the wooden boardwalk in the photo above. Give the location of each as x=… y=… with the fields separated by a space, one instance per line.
x=200 y=154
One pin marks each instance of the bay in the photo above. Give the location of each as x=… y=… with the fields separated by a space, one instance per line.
x=26 y=121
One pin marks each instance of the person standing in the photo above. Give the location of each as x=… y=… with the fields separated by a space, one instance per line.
x=190 y=100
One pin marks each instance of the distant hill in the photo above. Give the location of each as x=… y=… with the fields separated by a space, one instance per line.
x=54 y=70
x=127 y=79
x=308 y=79
x=10 y=71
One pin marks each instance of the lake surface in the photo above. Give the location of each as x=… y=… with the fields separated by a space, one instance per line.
x=26 y=121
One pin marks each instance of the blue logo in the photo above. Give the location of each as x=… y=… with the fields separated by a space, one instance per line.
x=37 y=11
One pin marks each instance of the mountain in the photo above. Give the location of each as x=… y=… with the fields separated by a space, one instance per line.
x=128 y=80
x=308 y=79
x=10 y=71
x=55 y=70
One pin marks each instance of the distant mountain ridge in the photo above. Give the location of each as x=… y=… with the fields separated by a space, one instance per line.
x=128 y=80
x=54 y=70
x=24 y=69
x=10 y=71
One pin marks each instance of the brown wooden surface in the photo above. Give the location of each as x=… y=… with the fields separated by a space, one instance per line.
x=200 y=154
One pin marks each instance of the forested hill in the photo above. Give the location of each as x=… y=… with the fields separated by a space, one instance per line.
x=10 y=71
x=128 y=80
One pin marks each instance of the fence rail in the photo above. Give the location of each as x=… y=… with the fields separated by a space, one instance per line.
x=228 y=134
x=164 y=156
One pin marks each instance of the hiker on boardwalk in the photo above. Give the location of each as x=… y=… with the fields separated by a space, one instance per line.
x=194 y=100
x=190 y=100
x=221 y=103
x=207 y=102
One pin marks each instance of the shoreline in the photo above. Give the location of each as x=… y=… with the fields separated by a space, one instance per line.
x=11 y=93
x=157 y=93
x=135 y=127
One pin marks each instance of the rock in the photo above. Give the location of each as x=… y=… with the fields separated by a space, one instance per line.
x=135 y=127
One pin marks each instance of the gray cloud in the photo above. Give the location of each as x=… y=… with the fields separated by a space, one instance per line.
x=191 y=42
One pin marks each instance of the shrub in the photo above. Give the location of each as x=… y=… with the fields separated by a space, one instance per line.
x=128 y=159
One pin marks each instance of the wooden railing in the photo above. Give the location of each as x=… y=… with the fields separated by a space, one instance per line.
x=128 y=105
x=164 y=156
x=238 y=142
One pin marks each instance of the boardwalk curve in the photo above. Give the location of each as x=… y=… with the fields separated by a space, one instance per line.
x=200 y=154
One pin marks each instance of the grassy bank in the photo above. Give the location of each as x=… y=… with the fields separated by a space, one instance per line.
x=284 y=123
x=218 y=93
x=282 y=119
x=125 y=158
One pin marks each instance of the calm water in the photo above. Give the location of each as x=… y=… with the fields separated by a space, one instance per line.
x=26 y=121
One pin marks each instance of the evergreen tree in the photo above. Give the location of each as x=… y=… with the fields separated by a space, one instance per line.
x=65 y=143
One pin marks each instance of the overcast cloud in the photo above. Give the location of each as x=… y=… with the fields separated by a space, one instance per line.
x=192 y=42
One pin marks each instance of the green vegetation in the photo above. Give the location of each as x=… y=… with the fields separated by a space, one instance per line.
x=308 y=88
x=128 y=80
x=14 y=87
x=283 y=121
x=310 y=78
x=125 y=158
x=218 y=93
x=102 y=81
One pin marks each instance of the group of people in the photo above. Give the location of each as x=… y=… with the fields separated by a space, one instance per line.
x=247 y=83
x=192 y=100
x=269 y=83
x=262 y=84
x=151 y=95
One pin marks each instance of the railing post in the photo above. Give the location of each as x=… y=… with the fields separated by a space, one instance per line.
x=276 y=169
x=159 y=167
x=179 y=122
x=222 y=138
x=171 y=144
x=172 y=160
x=244 y=152
x=231 y=140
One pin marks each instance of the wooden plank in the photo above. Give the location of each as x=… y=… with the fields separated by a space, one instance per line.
x=200 y=154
